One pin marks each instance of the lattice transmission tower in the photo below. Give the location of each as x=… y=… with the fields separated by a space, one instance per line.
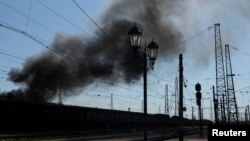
x=220 y=95
x=231 y=100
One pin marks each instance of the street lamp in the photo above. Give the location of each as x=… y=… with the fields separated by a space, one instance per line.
x=152 y=53
x=135 y=37
x=149 y=53
x=152 y=49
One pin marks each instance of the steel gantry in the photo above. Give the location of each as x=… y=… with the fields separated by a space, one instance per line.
x=220 y=95
x=231 y=99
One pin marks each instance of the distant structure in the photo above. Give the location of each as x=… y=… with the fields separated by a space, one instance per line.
x=176 y=96
x=220 y=95
x=166 y=101
x=60 y=97
x=231 y=101
x=111 y=102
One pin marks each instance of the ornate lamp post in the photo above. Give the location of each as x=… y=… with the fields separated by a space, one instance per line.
x=149 y=54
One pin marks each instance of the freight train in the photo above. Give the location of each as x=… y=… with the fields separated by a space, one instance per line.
x=20 y=115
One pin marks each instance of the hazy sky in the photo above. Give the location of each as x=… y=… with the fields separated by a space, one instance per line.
x=194 y=19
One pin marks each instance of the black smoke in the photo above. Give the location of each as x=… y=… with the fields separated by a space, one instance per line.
x=107 y=56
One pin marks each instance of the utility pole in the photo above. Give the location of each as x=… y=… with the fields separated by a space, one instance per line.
x=246 y=116
x=60 y=96
x=215 y=107
x=166 y=101
x=248 y=112
x=142 y=106
x=129 y=124
x=159 y=109
x=201 y=115
x=192 y=113
x=211 y=111
x=192 y=116
x=176 y=95
x=112 y=102
x=180 y=98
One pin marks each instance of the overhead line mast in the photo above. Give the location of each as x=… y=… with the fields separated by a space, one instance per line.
x=220 y=95
x=231 y=101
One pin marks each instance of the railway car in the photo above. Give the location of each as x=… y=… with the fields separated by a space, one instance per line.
x=24 y=115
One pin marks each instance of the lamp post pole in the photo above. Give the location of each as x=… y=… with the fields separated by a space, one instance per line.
x=145 y=94
x=149 y=52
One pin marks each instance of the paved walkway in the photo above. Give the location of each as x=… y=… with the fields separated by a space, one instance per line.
x=194 y=137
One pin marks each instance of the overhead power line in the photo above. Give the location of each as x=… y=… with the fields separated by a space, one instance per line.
x=31 y=19
x=62 y=17
x=243 y=89
x=27 y=23
x=7 y=54
x=243 y=52
x=95 y=23
x=34 y=39
x=186 y=40
x=161 y=78
x=89 y=17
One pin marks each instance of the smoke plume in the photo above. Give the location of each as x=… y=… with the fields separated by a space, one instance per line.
x=107 y=56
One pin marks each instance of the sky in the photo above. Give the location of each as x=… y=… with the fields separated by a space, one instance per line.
x=194 y=19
